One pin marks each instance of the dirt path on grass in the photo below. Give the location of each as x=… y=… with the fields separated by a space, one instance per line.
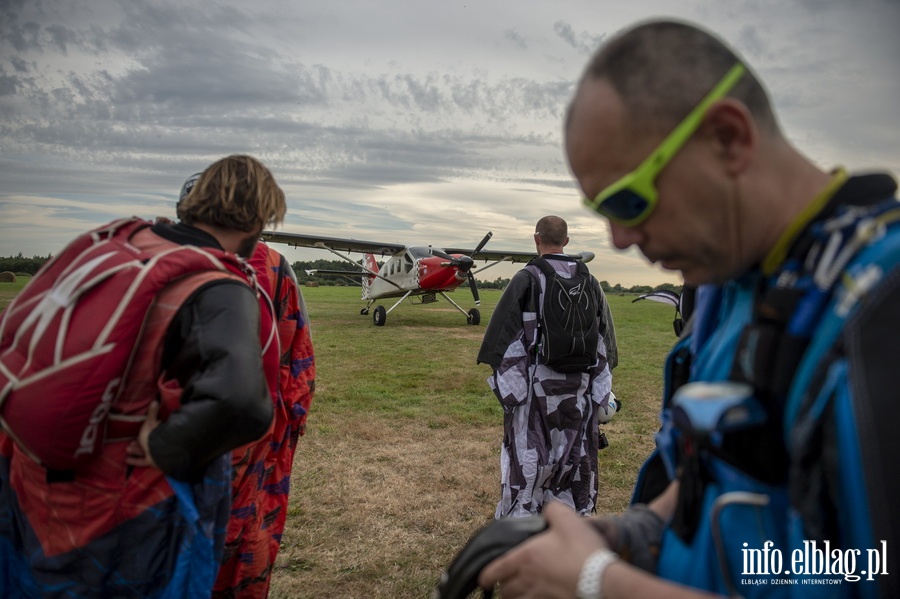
x=379 y=508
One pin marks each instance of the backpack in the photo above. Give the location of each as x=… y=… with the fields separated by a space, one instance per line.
x=68 y=339
x=568 y=334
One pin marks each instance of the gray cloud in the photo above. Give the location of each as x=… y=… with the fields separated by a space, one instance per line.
x=380 y=119
x=584 y=42
x=516 y=38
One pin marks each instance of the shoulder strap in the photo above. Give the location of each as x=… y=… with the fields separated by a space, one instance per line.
x=143 y=378
x=582 y=269
x=542 y=265
x=276 y=299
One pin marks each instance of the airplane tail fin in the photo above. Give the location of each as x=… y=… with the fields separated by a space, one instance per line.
x=370 y=263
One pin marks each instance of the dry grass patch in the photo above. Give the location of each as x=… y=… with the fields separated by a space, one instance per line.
x=379 y=508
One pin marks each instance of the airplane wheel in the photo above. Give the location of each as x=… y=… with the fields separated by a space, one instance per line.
x=474 y=316
x=379 y=316
x=364 y=312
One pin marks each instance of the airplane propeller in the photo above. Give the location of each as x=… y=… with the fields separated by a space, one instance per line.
x=471 y=260
x=474 y=286
x=483 y=243
x=464 y=265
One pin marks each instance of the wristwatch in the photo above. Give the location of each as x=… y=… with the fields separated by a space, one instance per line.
x=591 y=576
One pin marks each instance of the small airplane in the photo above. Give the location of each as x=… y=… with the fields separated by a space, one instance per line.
x=412 y=272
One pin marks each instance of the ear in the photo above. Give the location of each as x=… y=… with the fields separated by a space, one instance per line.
x=734 y=133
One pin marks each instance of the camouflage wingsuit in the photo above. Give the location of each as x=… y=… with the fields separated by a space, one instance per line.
x=550 y=423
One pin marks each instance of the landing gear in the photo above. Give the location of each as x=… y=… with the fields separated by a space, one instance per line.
x=473 y=316
x=379 y=316
x=379 y=313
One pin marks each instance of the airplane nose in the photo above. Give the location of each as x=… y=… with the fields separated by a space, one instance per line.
x=465 y=264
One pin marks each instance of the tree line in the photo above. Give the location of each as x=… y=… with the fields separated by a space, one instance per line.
x=301 y=268
x=21 y=265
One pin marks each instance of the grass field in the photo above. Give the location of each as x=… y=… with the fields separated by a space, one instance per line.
x=400 y=462
x=9 y=290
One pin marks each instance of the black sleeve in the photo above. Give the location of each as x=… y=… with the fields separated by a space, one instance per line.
x=506 y=320
x=607 y=329
x=212 y=348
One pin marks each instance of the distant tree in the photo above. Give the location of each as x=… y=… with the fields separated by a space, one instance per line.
x=498 y=283
x=641 y=289
x=668 y=287
x=22 y=265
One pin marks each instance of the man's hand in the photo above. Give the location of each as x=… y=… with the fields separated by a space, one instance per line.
x=139 y=450
x=546 y=565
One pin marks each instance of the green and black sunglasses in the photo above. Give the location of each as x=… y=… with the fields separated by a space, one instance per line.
x=631 y=200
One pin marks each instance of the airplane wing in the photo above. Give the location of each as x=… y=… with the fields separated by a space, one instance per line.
x=351 y=277
x=340 y=273
x=511 y=256
x=332 y=243
x=492 y=255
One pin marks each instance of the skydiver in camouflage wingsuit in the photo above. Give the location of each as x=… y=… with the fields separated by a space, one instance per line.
x=550 y=422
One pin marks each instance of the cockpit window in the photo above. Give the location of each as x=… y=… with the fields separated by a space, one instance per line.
x=423 y=251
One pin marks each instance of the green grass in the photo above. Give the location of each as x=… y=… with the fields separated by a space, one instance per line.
x=9 y=290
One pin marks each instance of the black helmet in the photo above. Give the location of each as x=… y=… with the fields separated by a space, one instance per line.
x=188 y=186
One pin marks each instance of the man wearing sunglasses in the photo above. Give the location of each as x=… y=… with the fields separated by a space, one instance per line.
x=779 y=405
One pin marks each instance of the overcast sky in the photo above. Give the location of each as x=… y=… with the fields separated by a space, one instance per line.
x=410 y=121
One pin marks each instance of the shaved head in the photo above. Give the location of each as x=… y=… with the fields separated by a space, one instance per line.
x=662 y=69
x=552 y=230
